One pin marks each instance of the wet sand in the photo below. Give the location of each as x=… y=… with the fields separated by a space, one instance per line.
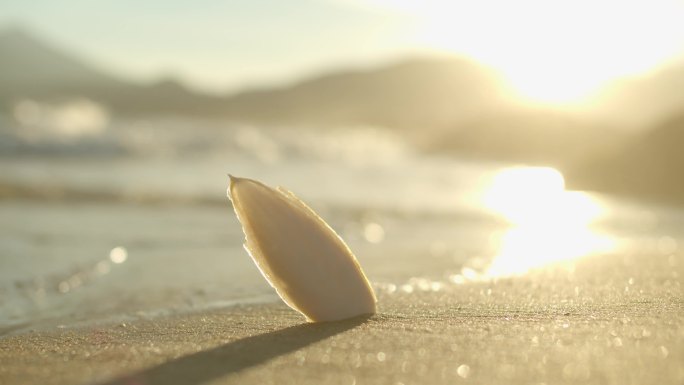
x=611 y=320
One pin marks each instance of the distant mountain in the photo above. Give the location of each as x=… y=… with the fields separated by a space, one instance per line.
x=528 y=135
x=419 y=93
x=434 y=93
x=415 y=93
x=649 y=166
x=30 y=68
x=28 y=63
x=642 y=101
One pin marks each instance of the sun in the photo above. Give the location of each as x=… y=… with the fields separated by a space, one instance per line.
x=554 y=52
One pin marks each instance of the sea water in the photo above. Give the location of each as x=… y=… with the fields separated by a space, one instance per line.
x=133 y=220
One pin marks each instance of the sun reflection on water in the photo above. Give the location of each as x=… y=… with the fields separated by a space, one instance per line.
x=547 y=223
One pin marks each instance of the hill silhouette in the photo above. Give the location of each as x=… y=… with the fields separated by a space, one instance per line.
x=527 y=135
x=29 y=63
x=422 y=93
x=33 y=69
x=651 y=165
x=415 y=93
x=645 y=100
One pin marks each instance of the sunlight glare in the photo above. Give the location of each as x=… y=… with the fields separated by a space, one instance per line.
x=547 y=223
x=551 y=52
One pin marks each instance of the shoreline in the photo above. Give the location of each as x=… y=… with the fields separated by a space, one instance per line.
x=547 y=327
x=106 y=320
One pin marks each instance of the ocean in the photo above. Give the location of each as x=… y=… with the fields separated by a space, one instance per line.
x=130 y=219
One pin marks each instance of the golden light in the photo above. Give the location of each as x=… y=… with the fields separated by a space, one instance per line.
x=554 y=52
x=547 y=223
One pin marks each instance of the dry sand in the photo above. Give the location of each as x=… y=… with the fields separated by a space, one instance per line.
x=614 y=320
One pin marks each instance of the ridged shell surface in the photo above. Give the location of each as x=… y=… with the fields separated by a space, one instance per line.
x=307 y=263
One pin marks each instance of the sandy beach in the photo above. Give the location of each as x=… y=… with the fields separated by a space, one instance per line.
x=614 y=320
x=137 y=275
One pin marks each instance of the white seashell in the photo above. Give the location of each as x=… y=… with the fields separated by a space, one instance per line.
x=307 y=263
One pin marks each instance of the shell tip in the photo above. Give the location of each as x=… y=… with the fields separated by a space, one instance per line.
x=231 y=182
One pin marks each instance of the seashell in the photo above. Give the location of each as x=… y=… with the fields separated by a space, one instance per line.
x=308 y=264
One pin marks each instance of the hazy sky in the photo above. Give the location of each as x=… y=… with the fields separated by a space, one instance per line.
x=549 y=50
x=218 y=44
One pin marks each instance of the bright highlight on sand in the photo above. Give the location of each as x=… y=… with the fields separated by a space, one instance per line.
x=549 y=224
x=307 y=263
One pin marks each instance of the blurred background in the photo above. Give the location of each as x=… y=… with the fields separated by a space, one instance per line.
x=493 y=137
